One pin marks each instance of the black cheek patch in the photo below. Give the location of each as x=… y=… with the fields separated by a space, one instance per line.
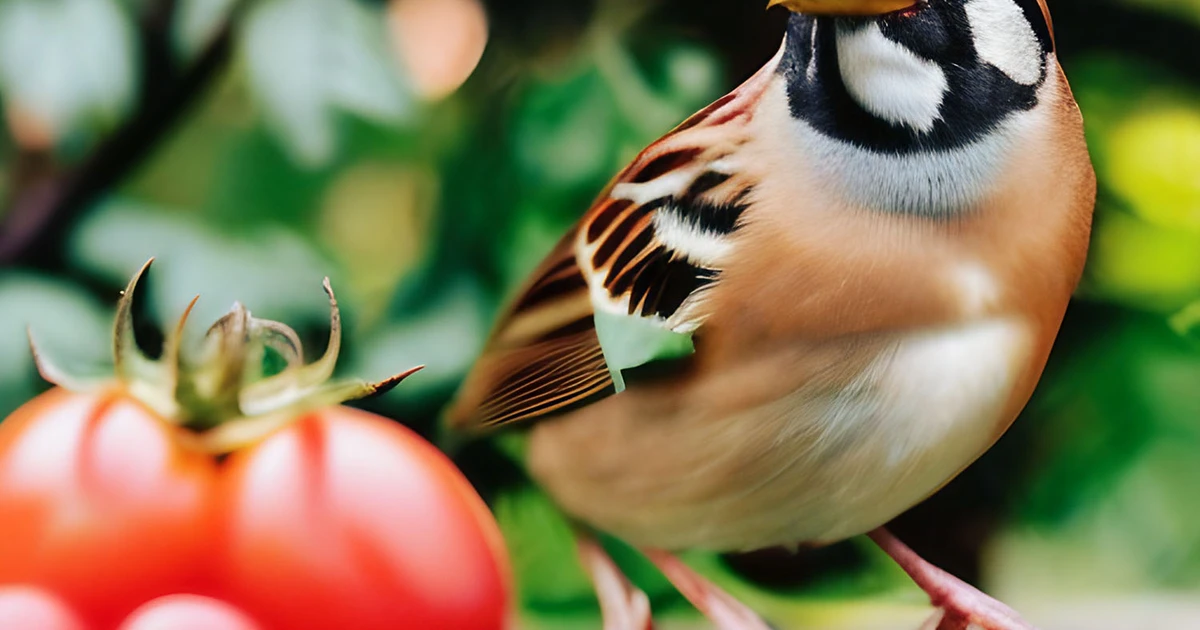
x=979 y=99
x=924 y=33
x=939 y=31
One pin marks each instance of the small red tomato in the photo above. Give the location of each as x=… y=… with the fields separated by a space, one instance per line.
x=273 y=507
x=342 y=520
x=100 y=505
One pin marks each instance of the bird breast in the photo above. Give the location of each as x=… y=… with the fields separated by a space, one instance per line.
x=753 y=460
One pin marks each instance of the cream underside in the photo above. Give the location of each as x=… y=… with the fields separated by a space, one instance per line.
x=815 y=466
x=915 y=418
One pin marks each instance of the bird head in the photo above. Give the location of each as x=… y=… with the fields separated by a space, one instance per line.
x=917 y=78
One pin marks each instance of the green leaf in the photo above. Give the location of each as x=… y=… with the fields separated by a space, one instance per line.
x=1142 y=264
x=1154 y=158
x=1137 y=535
x=563 y=131
x=197 y=21
x=67 y=323
x=68 y=62
x=1125 y=387
x=311 y=59
x=1187 y=322
x=542 y=545
x=274 y=271
x=630 y=342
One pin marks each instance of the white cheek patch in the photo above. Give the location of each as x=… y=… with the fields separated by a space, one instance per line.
x=1005 y=39
x=889 y=80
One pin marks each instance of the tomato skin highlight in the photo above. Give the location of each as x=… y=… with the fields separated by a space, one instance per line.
x=342 y=519
x=188 y=612
x=28 y=607
x=100 y=505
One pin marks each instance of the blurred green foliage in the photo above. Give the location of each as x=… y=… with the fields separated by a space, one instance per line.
x=311 y=151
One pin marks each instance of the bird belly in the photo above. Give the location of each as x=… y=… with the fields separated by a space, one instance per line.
x=819 y=463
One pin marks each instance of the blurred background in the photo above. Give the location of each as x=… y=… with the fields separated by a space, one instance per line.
x=425 y=154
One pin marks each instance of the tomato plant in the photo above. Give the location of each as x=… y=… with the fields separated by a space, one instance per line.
x=123 y=507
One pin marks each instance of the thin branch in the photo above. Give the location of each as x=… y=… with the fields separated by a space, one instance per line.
x=43 y=212
x=160 y=68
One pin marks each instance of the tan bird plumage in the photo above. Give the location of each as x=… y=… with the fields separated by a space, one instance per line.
x=849 y=361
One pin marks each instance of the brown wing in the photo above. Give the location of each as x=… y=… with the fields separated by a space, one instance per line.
x=543 y=356
x=652 y=246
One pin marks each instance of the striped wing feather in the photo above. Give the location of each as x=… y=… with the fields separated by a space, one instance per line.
x=652 y=246
x=543 y=357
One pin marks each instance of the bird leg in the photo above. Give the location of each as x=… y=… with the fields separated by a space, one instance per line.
x=962 y=606
x=622 y=605
x=721 y=608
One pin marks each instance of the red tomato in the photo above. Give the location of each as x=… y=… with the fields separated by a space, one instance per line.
x=341 y=520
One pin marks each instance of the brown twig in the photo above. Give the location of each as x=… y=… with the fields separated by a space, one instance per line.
x=43 y=210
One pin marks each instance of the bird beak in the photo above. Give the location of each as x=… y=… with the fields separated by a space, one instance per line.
x=845 y=7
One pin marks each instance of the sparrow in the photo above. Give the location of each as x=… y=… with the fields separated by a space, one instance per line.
x=871 y=244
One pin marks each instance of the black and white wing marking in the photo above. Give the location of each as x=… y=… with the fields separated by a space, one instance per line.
x=652 y=246
x=661 y=238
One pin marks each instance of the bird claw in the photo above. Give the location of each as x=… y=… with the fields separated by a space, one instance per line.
x=973 y=610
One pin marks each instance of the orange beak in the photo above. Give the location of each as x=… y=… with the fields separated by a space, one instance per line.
x=845 y=7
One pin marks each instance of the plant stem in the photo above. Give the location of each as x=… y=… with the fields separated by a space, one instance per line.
x=42 y=212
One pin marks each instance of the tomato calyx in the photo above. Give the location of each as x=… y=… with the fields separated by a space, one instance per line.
x=222 y=397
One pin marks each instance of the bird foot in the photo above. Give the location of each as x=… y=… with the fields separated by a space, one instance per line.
x=622 y=605
x=625 y=607
x=721 y=608
x=960 y=605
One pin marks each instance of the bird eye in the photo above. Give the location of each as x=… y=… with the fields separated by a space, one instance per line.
x=913 y=10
